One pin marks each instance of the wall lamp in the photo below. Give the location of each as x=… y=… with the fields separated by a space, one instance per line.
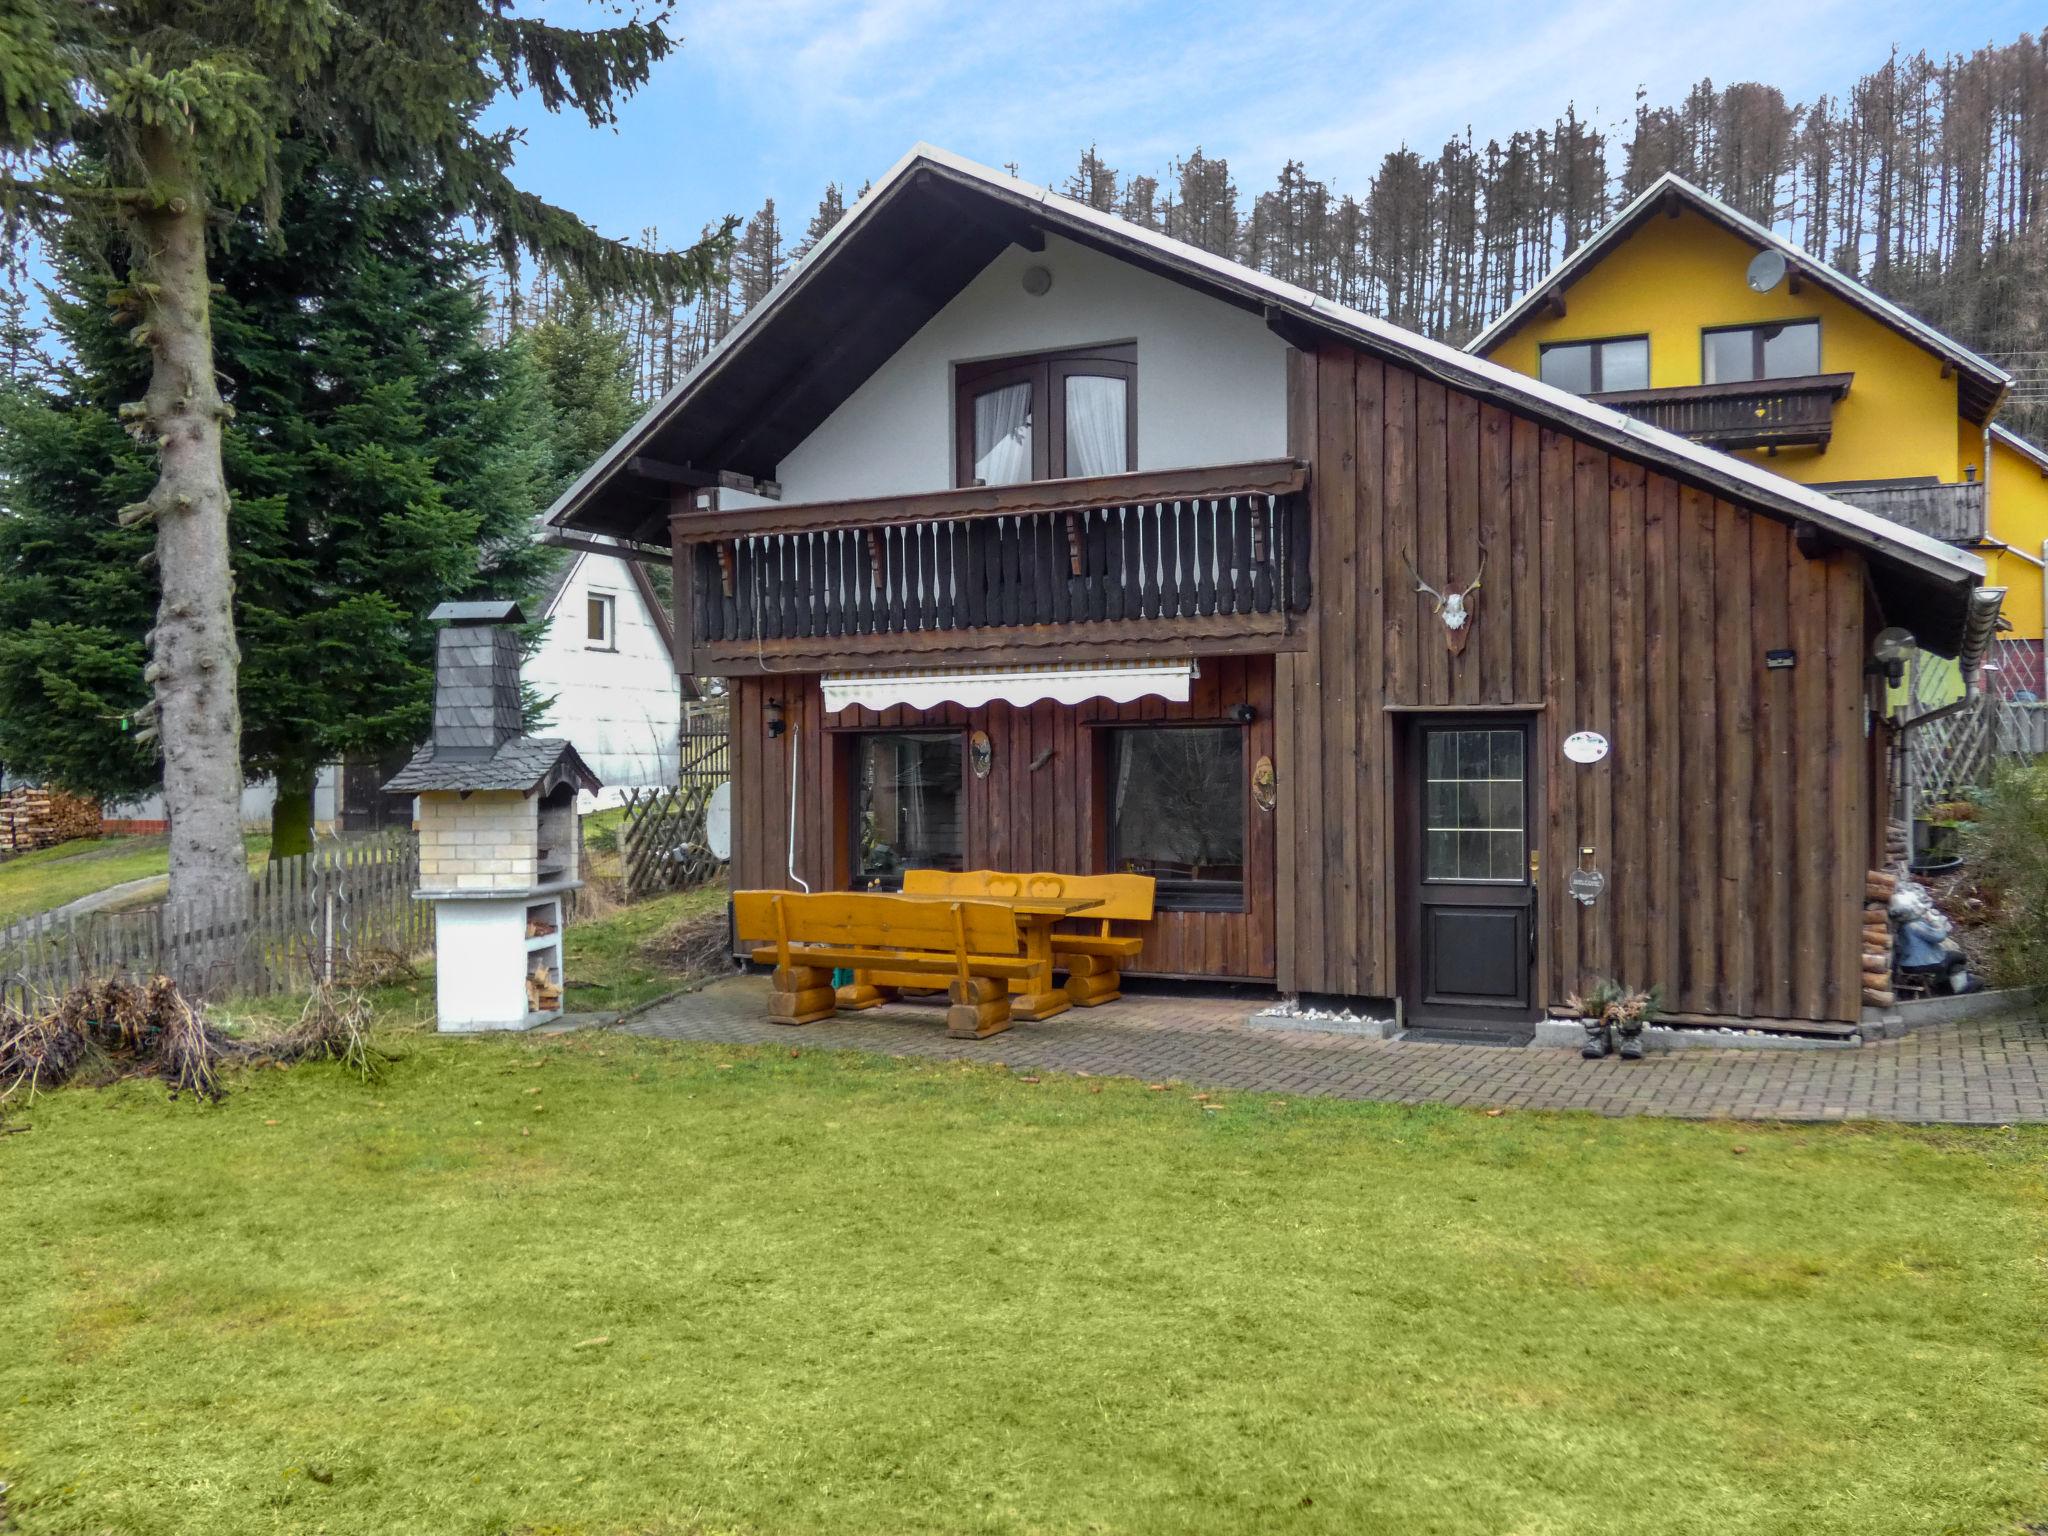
x=776 y=724
x=1890 y=651
x=1243 y=714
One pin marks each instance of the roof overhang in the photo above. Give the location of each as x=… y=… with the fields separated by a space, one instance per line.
x=1981 y=383
x=935 y=220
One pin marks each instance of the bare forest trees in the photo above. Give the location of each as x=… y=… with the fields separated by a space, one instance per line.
x=1922 y=178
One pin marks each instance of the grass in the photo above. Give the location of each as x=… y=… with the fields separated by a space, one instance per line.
x=50 y=877
x=598 y=1285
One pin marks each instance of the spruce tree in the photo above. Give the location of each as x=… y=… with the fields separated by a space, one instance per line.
x=382 y=458
x=153 y=121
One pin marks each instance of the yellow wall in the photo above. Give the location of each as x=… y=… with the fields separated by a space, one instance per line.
x=1675 y=276
x=2019 y=517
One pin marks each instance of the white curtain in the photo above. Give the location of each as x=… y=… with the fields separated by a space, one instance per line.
x=1002 y=435
x=1095 y=425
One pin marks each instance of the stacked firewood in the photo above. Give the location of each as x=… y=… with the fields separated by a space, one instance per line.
x=36 y=818
x=1878 y=890
x=543 y=991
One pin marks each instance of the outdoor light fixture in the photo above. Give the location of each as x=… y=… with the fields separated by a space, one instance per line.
x=1243 y=714
x=1038 y=281
x=775 y=722
x=1890 y=652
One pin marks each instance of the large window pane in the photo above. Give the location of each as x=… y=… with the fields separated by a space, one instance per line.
x=908 y=813
x=1625 y=364
x=1473 y=813
x=1096 y=422
x=1002 y=435
x=1177 y=813
x=1729 y=357
x=1791 y=351
x=1568 y=367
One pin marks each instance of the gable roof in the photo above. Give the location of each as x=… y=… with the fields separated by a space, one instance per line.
x=935 y=220
x=1983 y=382
x=2033 y=452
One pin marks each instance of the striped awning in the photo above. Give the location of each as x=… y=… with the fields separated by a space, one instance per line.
x=1117 y=681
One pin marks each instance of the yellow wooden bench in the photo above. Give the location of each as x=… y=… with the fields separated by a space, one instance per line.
x=1093 y=961
x=969 y=946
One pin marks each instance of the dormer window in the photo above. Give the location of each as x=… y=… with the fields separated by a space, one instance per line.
x=1054 y=415
x=1739 y=354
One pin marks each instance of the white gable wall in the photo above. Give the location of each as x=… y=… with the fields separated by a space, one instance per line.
x=1212 y=380
x=621 y=708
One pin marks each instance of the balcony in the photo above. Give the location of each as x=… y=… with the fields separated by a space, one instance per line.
x=1952 y=512
x=1759 y=413
x=1216 y=555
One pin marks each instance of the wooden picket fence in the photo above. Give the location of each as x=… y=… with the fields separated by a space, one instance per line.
x=662 y=845
x=706 y=755
x=317 y=917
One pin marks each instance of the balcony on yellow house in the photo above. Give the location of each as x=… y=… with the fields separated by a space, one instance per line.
x=1955 y=512
x=1750 y=413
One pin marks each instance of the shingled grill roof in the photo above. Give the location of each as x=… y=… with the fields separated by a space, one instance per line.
x=527 y=763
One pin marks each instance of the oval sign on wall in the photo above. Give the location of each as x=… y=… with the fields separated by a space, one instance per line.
x=1585 y=746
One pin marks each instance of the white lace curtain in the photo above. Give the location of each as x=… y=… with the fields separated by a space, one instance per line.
x=1002 y=435
x=1095 y=425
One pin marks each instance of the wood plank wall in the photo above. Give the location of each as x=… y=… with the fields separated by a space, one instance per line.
x=1016 y=818
x=1732 y=815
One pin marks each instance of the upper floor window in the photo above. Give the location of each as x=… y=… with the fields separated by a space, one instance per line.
x=1737 y=354
x=599 y=615
x=1593 y=367
x=1047 y=417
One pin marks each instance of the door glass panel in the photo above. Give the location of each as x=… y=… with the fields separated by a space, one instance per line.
x=907 y=815
x=1730 y=356
x=1473 y=806
x=1097 y=443
x=1002 y=435
x=1791 y=351
x=1625 y=364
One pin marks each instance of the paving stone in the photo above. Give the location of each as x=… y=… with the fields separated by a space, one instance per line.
x=1974 y=1072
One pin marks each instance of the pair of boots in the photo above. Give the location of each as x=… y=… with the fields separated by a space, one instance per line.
x=1600 y=1042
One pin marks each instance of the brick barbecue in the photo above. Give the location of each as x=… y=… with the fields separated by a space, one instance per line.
x=498 y=831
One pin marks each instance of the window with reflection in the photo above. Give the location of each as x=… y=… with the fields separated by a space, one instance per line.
x=1177 y=813
x=1742 y=353
x=907 y=804
x=1049 y=416
x=1594 y=367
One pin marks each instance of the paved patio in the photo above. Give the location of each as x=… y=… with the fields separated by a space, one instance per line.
x=1985 y=1072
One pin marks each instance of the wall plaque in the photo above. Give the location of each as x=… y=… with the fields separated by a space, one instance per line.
x=1585 y=746
x=1586 y=885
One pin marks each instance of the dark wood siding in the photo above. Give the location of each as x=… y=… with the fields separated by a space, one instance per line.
x=1053 y=818
x=1732 y=815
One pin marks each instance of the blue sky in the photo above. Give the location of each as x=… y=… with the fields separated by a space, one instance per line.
x=773 y=98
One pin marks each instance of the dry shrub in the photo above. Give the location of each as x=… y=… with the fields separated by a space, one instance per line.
x=601 y=896
x=692 y=946
x=150 y=1031
x=369 y=966
x=333 y=1026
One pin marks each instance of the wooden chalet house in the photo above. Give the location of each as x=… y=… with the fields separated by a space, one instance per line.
x=1029 y=539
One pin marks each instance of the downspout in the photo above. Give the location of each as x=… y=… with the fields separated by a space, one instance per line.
x=795 y=771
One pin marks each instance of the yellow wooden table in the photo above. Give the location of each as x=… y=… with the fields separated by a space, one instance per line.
x=1038 y=996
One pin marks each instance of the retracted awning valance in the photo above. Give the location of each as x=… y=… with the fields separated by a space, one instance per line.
x=1118 y=681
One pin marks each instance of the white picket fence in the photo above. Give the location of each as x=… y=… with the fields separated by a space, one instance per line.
x=301 y=920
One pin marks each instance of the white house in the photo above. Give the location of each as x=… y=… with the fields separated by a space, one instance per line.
x=608 y=668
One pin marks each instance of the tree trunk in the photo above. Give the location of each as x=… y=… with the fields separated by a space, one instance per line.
x=193 y=652
x=291 y=813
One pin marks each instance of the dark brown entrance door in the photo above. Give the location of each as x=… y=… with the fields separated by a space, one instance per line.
x=1469 y=946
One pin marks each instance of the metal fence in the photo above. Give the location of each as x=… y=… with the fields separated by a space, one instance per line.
x=301 y=920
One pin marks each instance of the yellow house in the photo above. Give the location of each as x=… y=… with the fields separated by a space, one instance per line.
x=1683 y=313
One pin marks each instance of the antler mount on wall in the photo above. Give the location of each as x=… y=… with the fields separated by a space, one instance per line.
x=1456 y=609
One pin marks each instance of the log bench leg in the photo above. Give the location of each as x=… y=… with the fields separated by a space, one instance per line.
x=981 y=1007
x=1093 y=980
x=864 y=993
x=801 y=994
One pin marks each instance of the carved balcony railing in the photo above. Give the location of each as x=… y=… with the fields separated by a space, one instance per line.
x=1761 y=413
x=1952 y=512
x=1197 y=546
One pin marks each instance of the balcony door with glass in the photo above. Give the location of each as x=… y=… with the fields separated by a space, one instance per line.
x=1049 y=416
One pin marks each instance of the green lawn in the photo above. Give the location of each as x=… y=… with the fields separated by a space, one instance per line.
x=598 y=1285
x=50 y=877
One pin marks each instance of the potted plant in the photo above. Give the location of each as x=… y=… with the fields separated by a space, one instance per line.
x=1611 y=1012
x=1938 y=840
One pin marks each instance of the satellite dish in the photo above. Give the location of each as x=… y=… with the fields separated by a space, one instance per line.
x=718 y=822
x=1766 y=270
